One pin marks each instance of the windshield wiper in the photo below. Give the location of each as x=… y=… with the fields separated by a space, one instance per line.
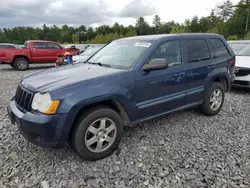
x=99 y=63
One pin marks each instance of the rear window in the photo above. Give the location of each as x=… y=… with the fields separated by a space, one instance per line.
x=197 y=50
x=219 y=48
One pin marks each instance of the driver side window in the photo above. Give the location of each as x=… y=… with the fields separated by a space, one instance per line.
x=170 y=50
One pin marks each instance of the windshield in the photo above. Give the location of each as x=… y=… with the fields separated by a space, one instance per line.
x=121 y=54
x=236 y=47
x=245 y=51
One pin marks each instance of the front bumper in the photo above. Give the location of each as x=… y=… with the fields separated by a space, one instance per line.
x=241 y=84
x=242 y=81
x=41 y=130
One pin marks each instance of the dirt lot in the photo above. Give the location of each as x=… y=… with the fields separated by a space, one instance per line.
x=185 y=149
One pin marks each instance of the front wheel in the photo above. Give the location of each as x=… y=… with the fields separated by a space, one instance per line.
x=21 y=64
x=97 y=133
x=214 y=99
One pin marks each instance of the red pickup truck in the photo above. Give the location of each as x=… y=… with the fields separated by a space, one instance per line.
x=34 y=51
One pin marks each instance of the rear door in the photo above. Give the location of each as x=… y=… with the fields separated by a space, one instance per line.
x=198 y=62
x=54 y=50
x=40 y=52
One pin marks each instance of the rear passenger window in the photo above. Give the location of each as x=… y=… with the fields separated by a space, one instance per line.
x=220 y=49
x=197 y=50
x=40 y=45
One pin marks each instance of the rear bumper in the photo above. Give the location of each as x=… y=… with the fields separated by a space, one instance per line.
x=41 y=130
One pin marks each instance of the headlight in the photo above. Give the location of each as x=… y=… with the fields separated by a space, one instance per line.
x=44 y=104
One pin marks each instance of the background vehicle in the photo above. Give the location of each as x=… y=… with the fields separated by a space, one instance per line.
x=242 y=69
x=33 y=51
x=130 y=80
x=73 y=49
x=9 y=46
x=6 y=46
x=86 y=54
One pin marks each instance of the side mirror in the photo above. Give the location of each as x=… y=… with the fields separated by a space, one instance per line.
x=156 y=64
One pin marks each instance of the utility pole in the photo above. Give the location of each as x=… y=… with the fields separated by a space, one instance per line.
x=247 y=21
x=247 y=5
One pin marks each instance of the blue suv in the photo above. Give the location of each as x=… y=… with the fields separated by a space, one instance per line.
x=131 y=80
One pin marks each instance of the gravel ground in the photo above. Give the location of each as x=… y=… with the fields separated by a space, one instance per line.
x=185 y=149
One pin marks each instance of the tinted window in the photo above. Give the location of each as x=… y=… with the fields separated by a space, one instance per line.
x=197 y=50
x=219 y=48
x=53 y=46
x=170 y=50
x=4 y=46
x=41 y=45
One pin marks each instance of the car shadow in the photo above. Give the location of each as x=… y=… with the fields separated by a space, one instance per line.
x=240 y=90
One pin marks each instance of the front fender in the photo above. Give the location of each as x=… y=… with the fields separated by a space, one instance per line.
x=73 y=103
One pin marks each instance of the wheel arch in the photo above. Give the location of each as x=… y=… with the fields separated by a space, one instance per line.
x=114 y=104
x=20 y=56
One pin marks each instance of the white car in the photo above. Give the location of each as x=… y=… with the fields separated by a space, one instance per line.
x=85 y=55
x=241 y=49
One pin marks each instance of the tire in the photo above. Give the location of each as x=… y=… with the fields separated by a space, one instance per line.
x=12 y=65
x=206 y=107
x=21 y=64
x=82 y=133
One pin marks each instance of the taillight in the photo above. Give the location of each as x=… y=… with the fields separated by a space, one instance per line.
x=233 y=62
x=233 y=65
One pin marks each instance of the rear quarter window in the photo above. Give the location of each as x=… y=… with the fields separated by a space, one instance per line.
x=219 y=48
x=197 y=50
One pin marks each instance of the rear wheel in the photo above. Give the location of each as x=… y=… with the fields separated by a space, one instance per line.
x=214 y=99
x=97 y=133
x=21 y=64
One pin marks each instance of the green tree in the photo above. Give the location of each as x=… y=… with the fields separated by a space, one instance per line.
x=157 y=24
x=226 y=10
x=142 y=27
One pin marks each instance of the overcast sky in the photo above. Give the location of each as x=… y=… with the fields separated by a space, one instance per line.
x=98 y=12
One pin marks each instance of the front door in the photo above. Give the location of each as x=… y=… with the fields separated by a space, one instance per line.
x=161 y=91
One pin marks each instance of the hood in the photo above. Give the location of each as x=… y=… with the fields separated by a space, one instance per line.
x=55 y=78
x=242 y=61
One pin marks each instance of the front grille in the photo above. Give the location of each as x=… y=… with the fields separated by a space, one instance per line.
x=243 y=72
x=239 y=82
x=23 y=99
